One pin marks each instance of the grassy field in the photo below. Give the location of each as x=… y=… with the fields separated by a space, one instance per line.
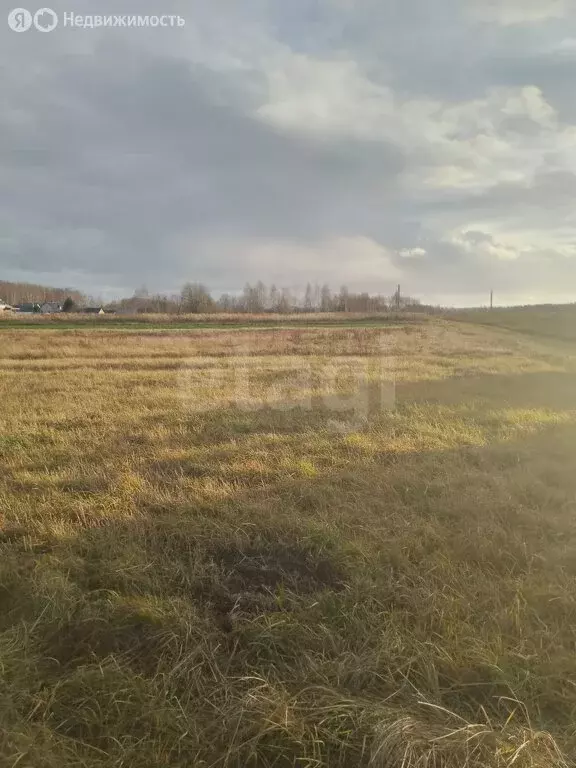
x=323 y=548
x=554 y=321
x=224 y=321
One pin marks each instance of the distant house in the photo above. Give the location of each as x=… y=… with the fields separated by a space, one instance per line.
x=50 y=307
x=29 y=306
x=93 y=311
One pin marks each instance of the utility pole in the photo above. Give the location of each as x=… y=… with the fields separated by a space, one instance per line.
x=398 y=298
x=491 y=299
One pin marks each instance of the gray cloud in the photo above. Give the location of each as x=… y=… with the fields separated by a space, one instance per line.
x=364 y=142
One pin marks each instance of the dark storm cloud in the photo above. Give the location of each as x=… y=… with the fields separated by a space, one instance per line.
x=139 y=152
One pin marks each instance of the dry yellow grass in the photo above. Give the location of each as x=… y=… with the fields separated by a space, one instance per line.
x=202 y=563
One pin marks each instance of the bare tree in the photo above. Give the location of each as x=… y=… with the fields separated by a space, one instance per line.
x=286 y=303
x=196 y=298
x=226 y=303
x=274 y=298
x=325 y=298
x=343 y=299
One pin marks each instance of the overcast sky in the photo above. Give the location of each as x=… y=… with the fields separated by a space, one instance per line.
x=426 y=142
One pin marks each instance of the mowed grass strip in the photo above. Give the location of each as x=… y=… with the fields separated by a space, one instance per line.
x=207 y=560
x=239 y=321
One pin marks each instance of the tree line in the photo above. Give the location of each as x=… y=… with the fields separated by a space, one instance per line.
x=196 y=298
x=21 y=293
x=258 y=298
